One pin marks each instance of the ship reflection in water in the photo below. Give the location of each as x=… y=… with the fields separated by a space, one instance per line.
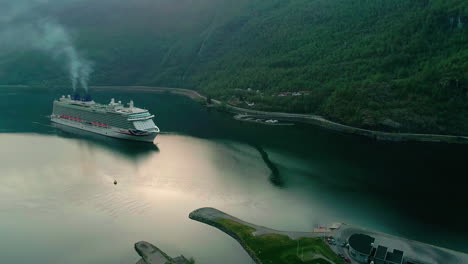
x=131 y=149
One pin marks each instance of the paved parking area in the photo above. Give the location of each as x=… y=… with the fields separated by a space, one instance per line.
x=416 y=250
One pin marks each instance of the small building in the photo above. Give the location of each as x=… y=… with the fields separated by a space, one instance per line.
x=321 y=229
x=380 y=254
x=383 y=256
x=360 y=247
x=396 y=257
x=335 y=226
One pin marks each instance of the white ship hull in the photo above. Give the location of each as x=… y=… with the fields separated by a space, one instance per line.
x=107 y=131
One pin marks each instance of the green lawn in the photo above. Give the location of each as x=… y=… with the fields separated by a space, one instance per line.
x=279 y=249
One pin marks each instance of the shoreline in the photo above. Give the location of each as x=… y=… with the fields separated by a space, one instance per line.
x=341 y=232
x=202 y=218
x=291 y=117
x=303 y=118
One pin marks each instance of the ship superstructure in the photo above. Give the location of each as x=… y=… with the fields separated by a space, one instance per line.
x=113 y=120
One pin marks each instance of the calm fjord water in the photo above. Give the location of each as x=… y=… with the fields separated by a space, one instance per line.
x=58 y=203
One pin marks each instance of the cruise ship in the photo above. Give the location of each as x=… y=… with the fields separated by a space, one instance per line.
x=112 y=120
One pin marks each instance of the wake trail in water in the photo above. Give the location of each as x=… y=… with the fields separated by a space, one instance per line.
x=275 y=176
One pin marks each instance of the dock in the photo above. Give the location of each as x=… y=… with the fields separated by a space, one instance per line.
x=150 y=254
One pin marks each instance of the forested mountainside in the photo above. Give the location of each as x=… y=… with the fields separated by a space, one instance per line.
x=398 y=65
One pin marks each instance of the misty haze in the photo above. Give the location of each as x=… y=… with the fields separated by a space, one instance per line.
x=222 y=131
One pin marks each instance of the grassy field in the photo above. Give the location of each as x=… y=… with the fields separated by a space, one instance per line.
x=279 y=249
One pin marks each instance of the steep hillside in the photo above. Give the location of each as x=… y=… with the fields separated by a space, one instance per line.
x=392 y=65
x=400 y=65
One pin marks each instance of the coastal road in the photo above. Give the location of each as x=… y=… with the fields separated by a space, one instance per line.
x=301 y=118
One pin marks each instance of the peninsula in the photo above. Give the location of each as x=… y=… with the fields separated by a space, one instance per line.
x=336 y=244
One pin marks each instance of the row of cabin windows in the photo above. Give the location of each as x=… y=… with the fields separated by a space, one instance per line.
x=111 y=119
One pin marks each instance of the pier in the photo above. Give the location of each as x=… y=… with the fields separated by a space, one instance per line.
x=150 y=254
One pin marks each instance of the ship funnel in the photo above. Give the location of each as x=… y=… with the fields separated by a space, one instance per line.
x=131 y=104
x=76 y=97
x=112 y=101
x=87 y=98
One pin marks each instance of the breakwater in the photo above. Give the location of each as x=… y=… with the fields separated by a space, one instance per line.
x=210 y=216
